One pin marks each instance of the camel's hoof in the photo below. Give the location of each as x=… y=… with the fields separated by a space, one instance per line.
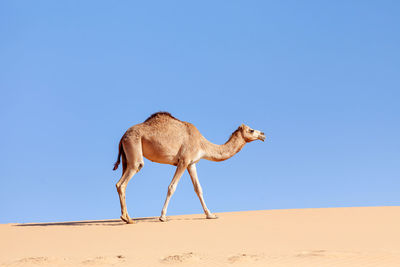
x=163 y=218
x=127 y=220
x=212 y=216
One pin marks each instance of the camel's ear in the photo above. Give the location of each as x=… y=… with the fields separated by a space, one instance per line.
x=242 y=126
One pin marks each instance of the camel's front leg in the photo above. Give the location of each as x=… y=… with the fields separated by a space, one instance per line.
x=199 y=191
x=172 y=187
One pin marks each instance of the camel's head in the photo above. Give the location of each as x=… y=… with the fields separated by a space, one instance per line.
x=250 y=134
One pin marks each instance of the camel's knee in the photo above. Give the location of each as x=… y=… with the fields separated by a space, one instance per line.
x=197 y=188
x=120 y=187
x=137 y=166
x=199 y=191
x=171 y=189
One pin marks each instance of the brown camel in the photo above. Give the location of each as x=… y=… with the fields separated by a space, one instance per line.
x=164 y=139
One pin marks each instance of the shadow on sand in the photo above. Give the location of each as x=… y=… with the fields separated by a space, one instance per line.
x=117 y=222
x=90 y=223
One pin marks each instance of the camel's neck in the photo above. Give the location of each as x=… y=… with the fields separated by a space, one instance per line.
x=223 y=152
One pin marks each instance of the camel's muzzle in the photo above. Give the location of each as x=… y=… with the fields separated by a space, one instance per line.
x=262 y=137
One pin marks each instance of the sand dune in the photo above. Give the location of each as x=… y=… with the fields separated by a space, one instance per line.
x=367 y=236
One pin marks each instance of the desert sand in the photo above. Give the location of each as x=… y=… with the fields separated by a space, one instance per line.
x=367 y=236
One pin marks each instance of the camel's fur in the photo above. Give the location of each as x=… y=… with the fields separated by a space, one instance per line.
x=165 y=139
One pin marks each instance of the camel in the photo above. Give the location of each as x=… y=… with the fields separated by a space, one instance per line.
x=162 y=138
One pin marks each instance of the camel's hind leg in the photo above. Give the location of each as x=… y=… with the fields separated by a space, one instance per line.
x=133 y=163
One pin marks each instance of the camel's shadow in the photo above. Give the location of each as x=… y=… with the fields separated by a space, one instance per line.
x=117 y=222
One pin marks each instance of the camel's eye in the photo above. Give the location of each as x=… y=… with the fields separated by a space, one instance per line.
x=251 y=131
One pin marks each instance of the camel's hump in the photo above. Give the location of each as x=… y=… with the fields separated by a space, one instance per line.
x=160 y=114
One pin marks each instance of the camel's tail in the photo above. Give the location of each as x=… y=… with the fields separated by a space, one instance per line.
x=120 y=151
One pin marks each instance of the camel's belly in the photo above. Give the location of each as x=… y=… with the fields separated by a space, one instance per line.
x=161 y=153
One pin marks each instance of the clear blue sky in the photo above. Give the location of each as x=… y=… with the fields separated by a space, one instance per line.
x=320 y=78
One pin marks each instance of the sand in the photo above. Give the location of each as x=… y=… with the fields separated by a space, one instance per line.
x=368 y=236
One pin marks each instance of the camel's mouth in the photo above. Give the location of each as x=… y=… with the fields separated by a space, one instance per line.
x=261 y=137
